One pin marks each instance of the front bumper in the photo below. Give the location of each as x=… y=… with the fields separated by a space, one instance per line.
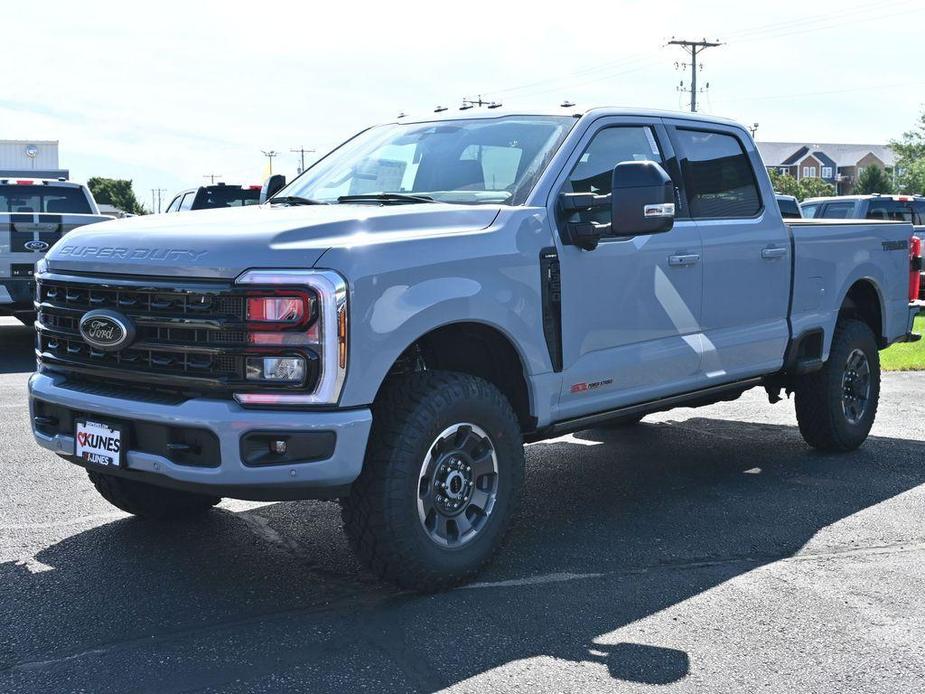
x=228 y=476
x=16 y=296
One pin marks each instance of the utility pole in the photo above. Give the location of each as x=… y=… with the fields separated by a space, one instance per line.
x=301 y=151
x=693 y=48
x=156 y=193
x=211 y=177
x=753 y=130
x=269 y=155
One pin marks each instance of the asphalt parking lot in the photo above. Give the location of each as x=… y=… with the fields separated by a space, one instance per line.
x=705 y=550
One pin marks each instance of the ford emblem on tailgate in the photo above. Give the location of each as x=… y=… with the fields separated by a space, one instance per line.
x=37 y=246
x=107 y=330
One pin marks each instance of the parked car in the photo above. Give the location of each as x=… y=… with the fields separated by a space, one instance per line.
x=897 y=208
x=789 y=206
x=213 y=196
x=34 y=214
x=399 y=319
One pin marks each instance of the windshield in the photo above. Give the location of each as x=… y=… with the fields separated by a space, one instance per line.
x=491 y=160
x=43 y=198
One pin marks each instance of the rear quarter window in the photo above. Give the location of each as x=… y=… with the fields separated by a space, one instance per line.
x=718 y=175
x=41 y=198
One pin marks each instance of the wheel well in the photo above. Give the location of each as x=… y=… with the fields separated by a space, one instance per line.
x=475 y=349
x=863 y=303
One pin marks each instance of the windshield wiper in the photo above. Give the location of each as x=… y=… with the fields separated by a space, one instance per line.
x=294 y=200
x=385 y=198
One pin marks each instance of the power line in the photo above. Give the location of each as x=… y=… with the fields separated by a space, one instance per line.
x=693 y=48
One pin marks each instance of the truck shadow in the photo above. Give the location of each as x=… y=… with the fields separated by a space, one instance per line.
x=17 y=348
x=615 y=527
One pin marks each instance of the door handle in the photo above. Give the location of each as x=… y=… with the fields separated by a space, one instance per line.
x=771 y=253
x=685 y=259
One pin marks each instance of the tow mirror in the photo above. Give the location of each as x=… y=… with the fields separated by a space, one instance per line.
x=642 y=200
x=271 y=187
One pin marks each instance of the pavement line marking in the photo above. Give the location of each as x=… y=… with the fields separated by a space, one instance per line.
x=897 y=548
x=531 y=581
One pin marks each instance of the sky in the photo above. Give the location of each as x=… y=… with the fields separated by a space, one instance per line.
x=165 y=94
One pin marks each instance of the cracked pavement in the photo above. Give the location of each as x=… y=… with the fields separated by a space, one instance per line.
x=705 y=550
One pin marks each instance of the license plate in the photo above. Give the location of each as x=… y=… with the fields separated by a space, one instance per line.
x=98 y=444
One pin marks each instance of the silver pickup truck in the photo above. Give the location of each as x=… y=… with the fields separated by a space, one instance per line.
x=396 y=322
x=34 y=214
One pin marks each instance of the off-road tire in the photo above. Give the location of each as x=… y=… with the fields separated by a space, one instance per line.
x=150 y=501
x=819 y=407
x=380 y=515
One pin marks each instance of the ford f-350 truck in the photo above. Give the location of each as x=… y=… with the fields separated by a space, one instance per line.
x=395 y=323
x=34 y=214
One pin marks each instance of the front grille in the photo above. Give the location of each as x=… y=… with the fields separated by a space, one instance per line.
x=189 y=338
x=150 y=300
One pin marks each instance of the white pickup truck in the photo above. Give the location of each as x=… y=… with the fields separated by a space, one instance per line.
x=34 y=213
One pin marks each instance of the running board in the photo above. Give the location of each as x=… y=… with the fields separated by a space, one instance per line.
x=587 y=421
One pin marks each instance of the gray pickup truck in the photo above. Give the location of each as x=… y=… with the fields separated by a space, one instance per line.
x=396 y=322
x=34 y=214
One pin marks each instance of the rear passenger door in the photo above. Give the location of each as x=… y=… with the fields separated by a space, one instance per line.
x=746 y=252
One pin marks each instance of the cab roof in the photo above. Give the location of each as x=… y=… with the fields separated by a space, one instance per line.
x=26 y=181
x=456 y=113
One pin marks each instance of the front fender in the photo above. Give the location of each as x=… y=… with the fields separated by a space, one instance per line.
x=400 y=292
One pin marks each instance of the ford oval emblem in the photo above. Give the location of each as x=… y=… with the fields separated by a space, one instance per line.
x=107 y=330
x=37 y=246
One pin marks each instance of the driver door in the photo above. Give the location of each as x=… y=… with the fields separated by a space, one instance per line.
x=631 y=307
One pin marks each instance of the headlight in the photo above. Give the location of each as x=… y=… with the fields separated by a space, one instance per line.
x=292 y=311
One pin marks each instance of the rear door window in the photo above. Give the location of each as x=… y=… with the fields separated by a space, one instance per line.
x=837 y=210
x=718 y=176
x=889 y=210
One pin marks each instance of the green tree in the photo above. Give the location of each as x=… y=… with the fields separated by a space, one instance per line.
x=802 y=189
x=911 y=177
x=815 y=188
x=873 y=179
x=910 y=158
x=786 y=184
x=115 y=191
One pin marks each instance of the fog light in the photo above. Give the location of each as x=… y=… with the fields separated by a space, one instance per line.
x=278 y=446
x=276 y=369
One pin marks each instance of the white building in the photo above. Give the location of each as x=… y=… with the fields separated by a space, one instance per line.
x=30 y=158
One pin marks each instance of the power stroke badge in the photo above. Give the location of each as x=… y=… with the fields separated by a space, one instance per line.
x=106 y=330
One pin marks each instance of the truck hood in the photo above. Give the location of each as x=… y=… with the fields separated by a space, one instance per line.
x=224 y=243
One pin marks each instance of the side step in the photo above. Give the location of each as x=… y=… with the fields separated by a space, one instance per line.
x=587 y=421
